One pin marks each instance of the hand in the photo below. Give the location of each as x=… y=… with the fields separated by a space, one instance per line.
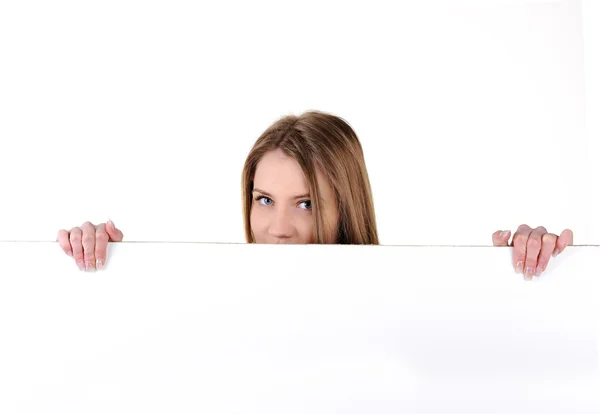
x=533 y=248
x=87 y=244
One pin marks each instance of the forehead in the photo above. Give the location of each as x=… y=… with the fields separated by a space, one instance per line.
x=277 y=172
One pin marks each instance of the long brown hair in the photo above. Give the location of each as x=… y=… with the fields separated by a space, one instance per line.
x=320 y=140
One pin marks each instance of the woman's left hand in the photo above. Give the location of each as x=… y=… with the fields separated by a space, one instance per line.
x=533 y=248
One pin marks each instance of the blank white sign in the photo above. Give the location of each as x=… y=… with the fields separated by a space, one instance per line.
x=190 y=328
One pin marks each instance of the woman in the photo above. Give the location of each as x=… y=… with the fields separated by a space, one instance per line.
x=305 y=181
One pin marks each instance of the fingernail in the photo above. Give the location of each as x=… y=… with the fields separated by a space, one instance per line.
x=81 y=266
x=110 y=222
x=98 y=264
x=539 y=271
x=519 y=268
x=555 y=252
x=70 y=254
x=529 y=271
x=89 y=266
x=504 y=233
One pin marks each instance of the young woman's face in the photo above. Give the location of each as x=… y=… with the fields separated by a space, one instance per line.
x=281 y=206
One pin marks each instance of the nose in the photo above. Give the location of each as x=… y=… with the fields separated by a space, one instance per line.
x=281 y=224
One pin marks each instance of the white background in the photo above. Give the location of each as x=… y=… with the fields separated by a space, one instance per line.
x=471 y=113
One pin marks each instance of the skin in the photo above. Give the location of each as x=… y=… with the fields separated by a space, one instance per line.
x=533 y=248
x=281 y=208
x=281 y=214
x=87 y=244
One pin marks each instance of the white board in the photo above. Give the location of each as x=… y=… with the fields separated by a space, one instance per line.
x=189 y=328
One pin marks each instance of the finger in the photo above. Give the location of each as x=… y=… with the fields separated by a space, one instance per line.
x=115 y=235
x=75 y=239
x=500 y=238
x=565 y=239
x=89 y=244
x=101 y=244
x=63 y=242
x=534 y=246
x=548 y=246
x=519 y=242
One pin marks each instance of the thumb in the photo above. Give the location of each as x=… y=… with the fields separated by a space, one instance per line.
x=114 y=234
x=500 y=238
x=565 y=239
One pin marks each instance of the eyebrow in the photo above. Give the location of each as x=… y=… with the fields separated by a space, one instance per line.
x=258 y=190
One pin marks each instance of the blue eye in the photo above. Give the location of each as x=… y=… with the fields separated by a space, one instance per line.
x=265 y=201
x=307 y=204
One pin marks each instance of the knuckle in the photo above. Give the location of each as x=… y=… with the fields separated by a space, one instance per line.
x=520 y=238
x=549 y=237
x=87 y=239
x=101 y=236
x=533 y=243
x=75 y=235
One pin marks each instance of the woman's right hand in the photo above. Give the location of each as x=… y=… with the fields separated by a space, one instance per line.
x=87 y=244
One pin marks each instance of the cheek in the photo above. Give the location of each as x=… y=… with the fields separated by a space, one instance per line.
x=304 y=226
x=260 y=219
x=255 y=219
